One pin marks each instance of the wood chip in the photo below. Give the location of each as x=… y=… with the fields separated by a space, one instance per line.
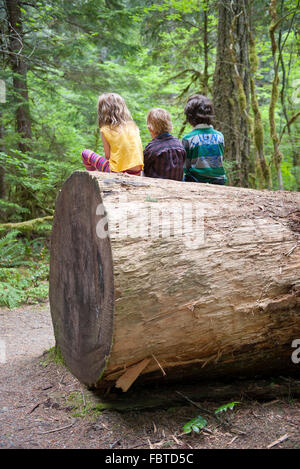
x=150 y=445
x=233 y=439
x=276 y=442
x=131 y=374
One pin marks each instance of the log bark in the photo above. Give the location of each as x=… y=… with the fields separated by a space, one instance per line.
x=219 y=296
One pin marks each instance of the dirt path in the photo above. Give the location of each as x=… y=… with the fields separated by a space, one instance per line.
x=43 y=406
x=26 y=332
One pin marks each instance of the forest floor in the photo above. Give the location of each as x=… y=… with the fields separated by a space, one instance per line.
x=43 y=406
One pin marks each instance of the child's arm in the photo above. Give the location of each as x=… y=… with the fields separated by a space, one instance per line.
x=106 y=146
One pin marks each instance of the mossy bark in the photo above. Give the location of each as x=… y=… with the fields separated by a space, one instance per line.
x=296 y=154
x=2 y=149
x=262 y=168
x=231 y=88
x=277 y=155
x=27 y=226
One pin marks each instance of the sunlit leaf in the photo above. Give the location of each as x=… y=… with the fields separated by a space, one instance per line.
x=195 y=425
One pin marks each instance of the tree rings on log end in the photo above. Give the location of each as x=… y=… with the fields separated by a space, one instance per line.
x=81 y=279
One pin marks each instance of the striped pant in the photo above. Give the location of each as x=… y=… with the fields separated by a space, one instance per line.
x=94 y=162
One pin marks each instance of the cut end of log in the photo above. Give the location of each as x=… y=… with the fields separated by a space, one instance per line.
x=81 y=280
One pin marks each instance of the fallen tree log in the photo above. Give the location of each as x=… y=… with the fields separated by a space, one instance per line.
x=192 y=281
x=28 y=226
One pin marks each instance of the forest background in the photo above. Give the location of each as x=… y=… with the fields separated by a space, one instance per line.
x=57 y=56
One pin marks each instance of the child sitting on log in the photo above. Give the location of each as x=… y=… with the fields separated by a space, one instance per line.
x=204 y=145
x=120 y=137
x=164 y=156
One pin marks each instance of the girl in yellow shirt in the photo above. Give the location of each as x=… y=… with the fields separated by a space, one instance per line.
x=120 y=136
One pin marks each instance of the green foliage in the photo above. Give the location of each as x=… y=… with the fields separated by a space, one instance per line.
x=152 y=52
x=82 y=406
x=198 y=423
x=12 y=252
x=154 y=57
x=24 y=270
x=195 y=425
x=52 y=355
x=225 y=407
x=33 y=185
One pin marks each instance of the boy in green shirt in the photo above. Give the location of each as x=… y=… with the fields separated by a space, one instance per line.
x=204 y=145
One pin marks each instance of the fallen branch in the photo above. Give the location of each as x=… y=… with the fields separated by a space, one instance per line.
x=209 y=412
x=57 y=429
x=33 y=409
x=276 y=442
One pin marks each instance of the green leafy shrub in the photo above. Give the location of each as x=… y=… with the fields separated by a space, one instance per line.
x=225 y=407
x=198 y=423
x=24 y=270
x=195 y=425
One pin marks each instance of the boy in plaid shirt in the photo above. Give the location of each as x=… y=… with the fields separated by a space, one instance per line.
x=164 y=156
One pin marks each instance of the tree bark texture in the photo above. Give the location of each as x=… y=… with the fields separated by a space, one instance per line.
x=231 y=87
x=218 y=296
x=19 y=68
x=2 y=149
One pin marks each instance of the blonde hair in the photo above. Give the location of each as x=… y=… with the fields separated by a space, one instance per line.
x=112 y=110
x=159 y=121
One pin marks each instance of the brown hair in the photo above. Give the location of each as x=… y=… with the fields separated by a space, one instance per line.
x=112 y=110
x=199 y=110
x=159 y=121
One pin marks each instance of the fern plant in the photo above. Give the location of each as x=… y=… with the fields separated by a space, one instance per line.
x=9 y=295
x=12 y=251
x=22 y=280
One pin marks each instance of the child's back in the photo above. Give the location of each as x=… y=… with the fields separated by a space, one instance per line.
x=120 y=137
x=204 y=145
x=164 y=156
x=126 y=149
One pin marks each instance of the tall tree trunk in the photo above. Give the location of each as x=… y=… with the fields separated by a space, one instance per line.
x=284 y=85
x=206 y=47
x=19 y=68
x=262 y=168
x=277 y=155
x=2 y=149
x=231 y=87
